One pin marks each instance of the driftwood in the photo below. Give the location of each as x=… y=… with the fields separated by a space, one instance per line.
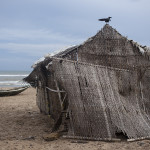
x=138 y=139
x=93 y=139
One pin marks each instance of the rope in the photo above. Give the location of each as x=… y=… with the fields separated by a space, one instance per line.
x=57 y=91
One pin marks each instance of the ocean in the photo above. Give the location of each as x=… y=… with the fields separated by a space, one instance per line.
x=13 y=78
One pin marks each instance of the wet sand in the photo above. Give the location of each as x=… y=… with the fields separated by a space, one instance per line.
x=22 y=128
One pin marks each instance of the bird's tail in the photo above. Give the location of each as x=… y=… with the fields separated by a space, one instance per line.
x=101 y=19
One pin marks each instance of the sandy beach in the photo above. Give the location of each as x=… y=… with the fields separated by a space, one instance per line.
x=22 y=127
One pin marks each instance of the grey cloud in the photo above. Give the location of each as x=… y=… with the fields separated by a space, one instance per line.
x=30 y=49
x=38 y=34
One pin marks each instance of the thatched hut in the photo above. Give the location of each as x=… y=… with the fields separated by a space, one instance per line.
x=105 y=83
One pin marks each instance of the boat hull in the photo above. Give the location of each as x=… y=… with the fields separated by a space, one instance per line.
x=12 y=92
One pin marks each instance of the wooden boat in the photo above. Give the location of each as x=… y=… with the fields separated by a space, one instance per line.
x=13 y=91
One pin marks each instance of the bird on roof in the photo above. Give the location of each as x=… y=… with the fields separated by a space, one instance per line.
x=105 y=19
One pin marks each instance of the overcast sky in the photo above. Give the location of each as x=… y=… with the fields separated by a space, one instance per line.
x=30 y=29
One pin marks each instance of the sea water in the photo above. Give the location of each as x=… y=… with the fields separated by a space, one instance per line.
x=13 y=78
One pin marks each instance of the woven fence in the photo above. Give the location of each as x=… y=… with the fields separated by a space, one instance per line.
x=103 y=100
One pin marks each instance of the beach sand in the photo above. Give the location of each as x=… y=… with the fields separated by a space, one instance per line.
x=22 y=128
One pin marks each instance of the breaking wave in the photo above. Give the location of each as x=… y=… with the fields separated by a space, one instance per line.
x=13 y=83
x=13 y=78
x=15 y=75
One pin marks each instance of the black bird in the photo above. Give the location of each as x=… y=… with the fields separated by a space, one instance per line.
x=105 y=19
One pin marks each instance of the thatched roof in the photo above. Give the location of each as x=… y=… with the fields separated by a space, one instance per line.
x=58 y=53
x=44 y=61
x=142 y=49
x=103 y=33
x=65 y=51
x=107 y=27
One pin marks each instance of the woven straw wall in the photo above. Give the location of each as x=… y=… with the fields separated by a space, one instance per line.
x=103 y=100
